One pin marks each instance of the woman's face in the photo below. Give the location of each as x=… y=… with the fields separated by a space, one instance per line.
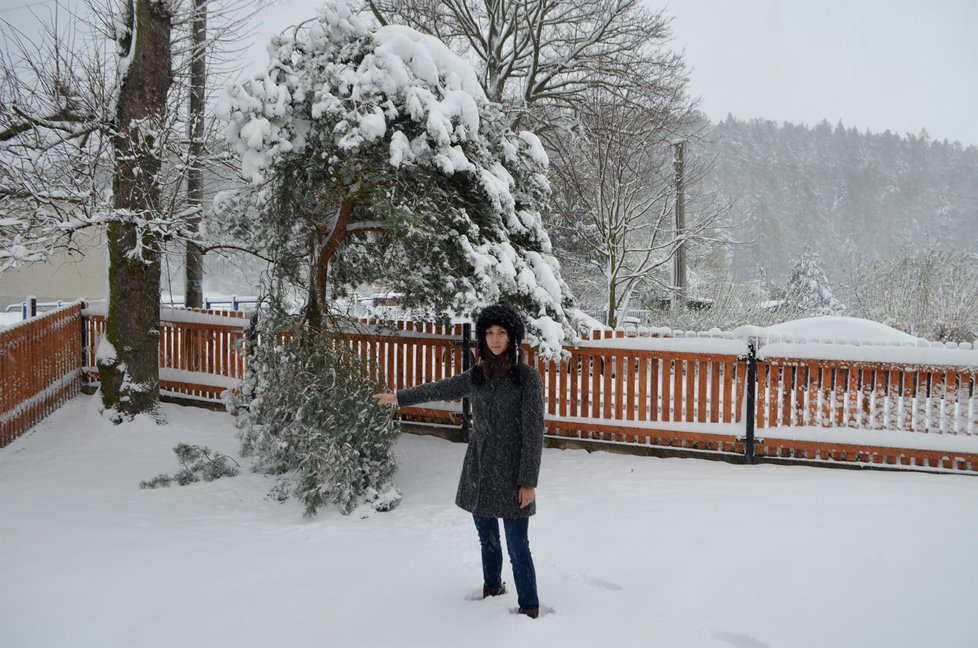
x=497 y=339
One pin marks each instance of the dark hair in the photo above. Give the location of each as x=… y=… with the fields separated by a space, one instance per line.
x=504 y=315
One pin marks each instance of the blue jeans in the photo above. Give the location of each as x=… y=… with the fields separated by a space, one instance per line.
x=518 y=545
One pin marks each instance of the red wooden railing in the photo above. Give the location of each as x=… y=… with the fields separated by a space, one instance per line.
x=683 y=393
x=40 y=368
x=863 y=398
x=201 y=352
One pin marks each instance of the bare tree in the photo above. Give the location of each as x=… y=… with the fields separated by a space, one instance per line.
x=130 y=376
x=614 y=197
x=607 y=96
x=193 y=286
x=931 y=293
x=90 y=138
x=535 y=53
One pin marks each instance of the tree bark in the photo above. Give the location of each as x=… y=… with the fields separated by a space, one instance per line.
x=323 y=245
x=130 y=378
x=194 y=284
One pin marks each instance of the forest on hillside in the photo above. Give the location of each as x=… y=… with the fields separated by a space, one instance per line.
x=880 y=226
x=844 y=192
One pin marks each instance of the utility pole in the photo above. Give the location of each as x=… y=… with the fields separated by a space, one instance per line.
x=679 y=260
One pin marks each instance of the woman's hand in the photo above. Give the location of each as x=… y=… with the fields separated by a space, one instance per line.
x=528 y=495
x=386 y=399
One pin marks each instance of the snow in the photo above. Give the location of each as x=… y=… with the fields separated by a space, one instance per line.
x=630 y=551
x=9 y=319
x=716 y=345
x=106 y=354
x=14 y=319
x=179 y=315
x=889 y=354
x=198 y=378
x=844 y=339
x=835 y=327
x=950 y=443
x=853 y=339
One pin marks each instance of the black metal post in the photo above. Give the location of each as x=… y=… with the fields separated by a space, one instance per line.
x=751 y=396
x=84 y=336
x=466 y=365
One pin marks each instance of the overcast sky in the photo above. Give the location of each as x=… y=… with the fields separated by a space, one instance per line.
x=902 y=65
x=876 y=64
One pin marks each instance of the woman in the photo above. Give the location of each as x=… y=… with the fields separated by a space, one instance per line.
x=502 y=463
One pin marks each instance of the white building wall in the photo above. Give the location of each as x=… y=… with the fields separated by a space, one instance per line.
x=62 y=276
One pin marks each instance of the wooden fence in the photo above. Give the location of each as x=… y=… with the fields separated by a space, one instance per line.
x=684 y=393
x=201 y=354
x=40 y=369
x=916 y=414
x=691 y=394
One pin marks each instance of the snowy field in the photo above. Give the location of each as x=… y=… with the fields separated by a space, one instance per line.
x=630 y=551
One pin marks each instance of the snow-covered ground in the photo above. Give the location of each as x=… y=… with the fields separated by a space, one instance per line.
x=630 y=551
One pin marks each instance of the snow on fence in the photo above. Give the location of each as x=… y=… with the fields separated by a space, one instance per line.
x=908 y=405
x=40 y=368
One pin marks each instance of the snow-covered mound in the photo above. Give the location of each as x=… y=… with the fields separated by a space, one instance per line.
x=858 y=340
x=834 y=327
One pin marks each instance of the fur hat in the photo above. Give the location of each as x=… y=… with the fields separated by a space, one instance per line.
x=501 y=314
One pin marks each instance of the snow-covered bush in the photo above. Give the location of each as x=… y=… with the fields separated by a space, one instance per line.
x=306 y=414
x=930 y=293
x=807 y=291
x=196 y=463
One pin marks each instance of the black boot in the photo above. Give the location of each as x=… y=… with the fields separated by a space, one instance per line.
x=493 y=591
x=530 y=612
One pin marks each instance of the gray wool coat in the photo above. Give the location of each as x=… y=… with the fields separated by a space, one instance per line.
x=506 y=441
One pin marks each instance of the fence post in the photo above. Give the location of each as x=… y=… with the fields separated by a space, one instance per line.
x=28 y=308
x=751 y=397
x=466 y=365
x=84 y=338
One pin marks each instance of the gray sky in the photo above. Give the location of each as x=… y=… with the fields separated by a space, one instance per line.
x=902 y=65
x=876 y=64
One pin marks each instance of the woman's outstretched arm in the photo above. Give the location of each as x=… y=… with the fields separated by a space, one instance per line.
x=449 y=389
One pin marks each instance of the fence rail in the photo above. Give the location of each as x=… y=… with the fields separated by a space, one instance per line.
x=690 y=394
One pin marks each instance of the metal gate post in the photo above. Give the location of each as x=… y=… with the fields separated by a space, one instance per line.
x=751 y=396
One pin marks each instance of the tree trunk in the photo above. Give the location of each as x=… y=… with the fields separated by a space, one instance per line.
x=193 y=292
x=323 y=244
x=130 y=377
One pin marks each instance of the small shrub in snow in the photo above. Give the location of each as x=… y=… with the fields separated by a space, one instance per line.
x=807 y=292
x=196 y=463
x=306 y=414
